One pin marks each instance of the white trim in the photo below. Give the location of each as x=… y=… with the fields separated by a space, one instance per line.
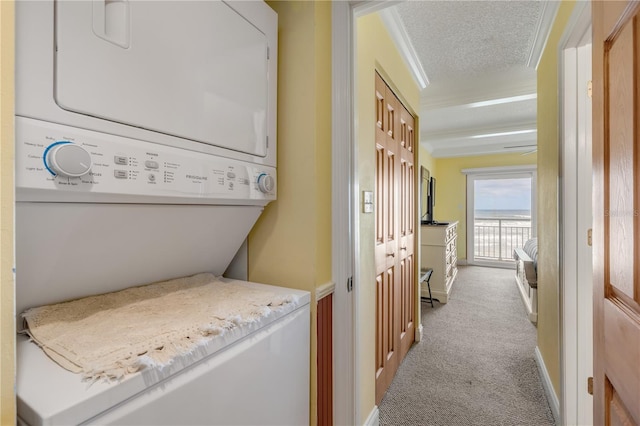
x=585 y=222
x=365 y=7
x=505 y=264
x=502 y=169
x=568 y=236
x=545 y=23
x=576 y=315
x=346 y=394
x=470 y=222
x=550 y=393
x=397 y=31
x=324 y=290
x=418 y=333
x=374 y=417
x=577 y=26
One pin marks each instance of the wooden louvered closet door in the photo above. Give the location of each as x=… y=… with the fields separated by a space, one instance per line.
x=395 y=230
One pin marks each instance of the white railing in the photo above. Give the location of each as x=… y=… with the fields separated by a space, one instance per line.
x=495 y=238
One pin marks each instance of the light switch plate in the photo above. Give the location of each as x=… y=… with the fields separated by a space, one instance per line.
x=367 y=201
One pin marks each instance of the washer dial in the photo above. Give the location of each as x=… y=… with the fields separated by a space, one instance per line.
x=67 y=159
x=266 y=183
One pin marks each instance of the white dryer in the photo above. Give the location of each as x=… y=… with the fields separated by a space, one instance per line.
x=146 y=151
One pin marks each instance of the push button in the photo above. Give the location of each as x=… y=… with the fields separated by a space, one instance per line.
x=121 y=160
x=231 y=175
x=151 y=164
x=120 y=174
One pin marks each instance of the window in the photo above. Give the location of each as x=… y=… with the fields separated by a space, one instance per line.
x=500 y=213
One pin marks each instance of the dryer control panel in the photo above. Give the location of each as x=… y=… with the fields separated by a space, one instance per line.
x=66 y=164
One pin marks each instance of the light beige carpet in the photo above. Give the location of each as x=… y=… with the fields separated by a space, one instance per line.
x=475 y=365
x=114 y=334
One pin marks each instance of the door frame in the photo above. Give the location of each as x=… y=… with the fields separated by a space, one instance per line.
x=345 y=202
x=574 y=364
x=344 y=218
x=345 y=199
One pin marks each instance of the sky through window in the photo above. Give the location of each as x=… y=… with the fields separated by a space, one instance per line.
x=503 y=194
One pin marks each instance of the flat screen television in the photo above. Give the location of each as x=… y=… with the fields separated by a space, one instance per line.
x=432 y=195
x=427 y=199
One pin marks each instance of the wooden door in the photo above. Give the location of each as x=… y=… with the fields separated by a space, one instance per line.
x=406 y=232
x=616 y=156
x=387 y=350
x=394 y=243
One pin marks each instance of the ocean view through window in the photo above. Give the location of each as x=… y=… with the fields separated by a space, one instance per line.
x=500 y=215
x=498 y=232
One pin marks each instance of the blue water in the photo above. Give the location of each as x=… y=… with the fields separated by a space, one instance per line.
x=504 y=214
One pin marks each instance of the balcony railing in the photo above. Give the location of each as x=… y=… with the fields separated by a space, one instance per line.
x=495 y=238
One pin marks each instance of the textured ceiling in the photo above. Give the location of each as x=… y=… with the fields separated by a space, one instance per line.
x=480 y=60
x=458 y=39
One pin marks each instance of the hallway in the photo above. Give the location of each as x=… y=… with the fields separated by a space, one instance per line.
x=475 y=364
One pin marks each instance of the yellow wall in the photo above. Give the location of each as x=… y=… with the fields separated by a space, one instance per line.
x=290 y=245
x=427 y=161
x=548 y=140
x=375 y=51
x=451 y=192
x=7 y=318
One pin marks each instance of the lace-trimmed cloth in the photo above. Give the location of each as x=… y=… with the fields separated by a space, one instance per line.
x=114 y=334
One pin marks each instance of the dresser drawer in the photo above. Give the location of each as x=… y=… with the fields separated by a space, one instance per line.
x=439 y=252
x=451 y=232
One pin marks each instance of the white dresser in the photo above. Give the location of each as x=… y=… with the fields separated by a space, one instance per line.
x=438 y=245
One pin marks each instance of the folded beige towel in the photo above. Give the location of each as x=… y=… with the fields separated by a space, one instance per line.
x=114 y=334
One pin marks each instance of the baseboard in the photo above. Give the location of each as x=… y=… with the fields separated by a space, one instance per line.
x=552 y=398
x=374 y=417
x=418 y=334
x=461 y=262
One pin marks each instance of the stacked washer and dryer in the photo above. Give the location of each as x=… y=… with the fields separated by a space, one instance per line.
x=146 y=151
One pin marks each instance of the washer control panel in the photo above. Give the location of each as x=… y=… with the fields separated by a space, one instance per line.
x=68 y=161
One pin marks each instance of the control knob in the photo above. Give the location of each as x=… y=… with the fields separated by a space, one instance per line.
x=266 y=183
x=67 y=159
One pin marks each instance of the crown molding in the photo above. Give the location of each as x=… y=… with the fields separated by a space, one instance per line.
x=393 y=22
x=548 y=15
x=365 y=7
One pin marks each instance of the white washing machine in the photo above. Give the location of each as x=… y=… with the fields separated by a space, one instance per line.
x=145 y=151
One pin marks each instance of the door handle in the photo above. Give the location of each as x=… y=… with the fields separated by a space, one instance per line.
x=391 y=255
x=111 y=21
x=403 y=248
